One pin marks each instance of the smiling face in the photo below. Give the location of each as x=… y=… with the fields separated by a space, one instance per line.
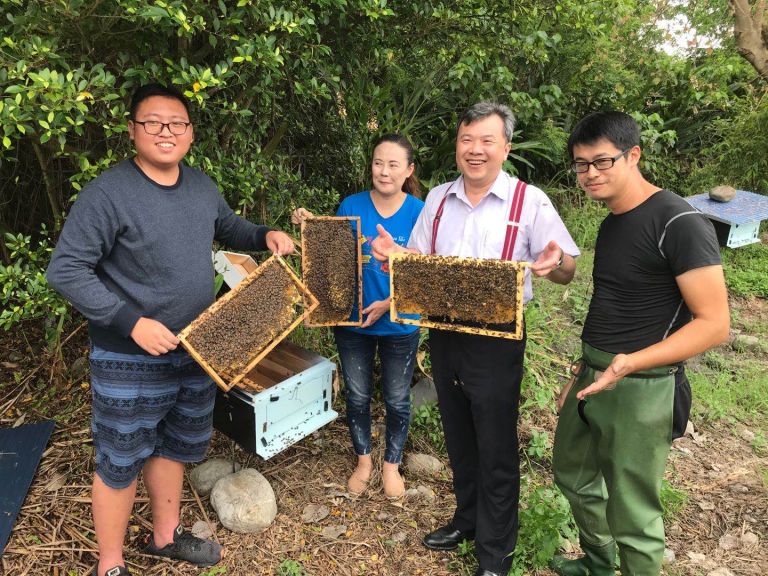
x=481 y=149
x=610 y=185
x=160 y=154
x=390 y=168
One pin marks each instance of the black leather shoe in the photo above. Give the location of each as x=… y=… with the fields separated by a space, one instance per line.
x=481 y=572
x=446 y=538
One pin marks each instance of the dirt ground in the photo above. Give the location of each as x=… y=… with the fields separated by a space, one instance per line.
x=717 y=467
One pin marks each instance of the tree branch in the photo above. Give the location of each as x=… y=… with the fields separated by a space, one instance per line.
x=751 y=33
x=50 y=189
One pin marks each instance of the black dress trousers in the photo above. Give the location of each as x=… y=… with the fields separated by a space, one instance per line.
x=478 y=389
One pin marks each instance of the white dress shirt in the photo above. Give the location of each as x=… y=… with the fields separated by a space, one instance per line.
x=479 y=231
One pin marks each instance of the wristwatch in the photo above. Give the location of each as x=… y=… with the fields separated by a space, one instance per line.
x=560 y=262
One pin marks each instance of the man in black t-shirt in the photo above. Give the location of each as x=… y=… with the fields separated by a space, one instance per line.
x=659 y=298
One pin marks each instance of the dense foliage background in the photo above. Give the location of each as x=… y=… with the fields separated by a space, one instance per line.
x=288 y=96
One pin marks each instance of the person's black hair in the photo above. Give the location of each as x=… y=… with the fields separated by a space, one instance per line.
x=154 y=89
x=484 y=109
x=618 y=128
x=411 y=184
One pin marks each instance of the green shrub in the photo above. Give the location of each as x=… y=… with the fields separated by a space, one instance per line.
x=427 y=426
x=25 y=292
x=290 y=568
x=545 y=520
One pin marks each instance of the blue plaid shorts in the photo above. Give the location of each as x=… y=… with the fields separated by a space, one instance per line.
x=146 y=406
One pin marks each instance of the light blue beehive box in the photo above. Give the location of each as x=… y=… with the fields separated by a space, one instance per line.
x=297 y=388
x=297 y=399
x=737 y=222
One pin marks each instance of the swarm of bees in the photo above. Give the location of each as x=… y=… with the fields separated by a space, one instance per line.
x=330 y=266
x=457 y=290
x=241 y=327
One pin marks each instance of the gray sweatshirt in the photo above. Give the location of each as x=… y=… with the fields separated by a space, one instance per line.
x=131 y=248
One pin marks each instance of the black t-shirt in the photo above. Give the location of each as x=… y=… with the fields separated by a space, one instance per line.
x=636 y=301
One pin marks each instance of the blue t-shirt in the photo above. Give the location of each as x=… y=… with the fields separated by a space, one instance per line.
x=375 y=273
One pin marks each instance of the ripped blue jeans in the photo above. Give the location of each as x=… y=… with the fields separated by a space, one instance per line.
x=397 y=355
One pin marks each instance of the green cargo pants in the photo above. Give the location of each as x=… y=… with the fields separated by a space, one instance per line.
x=609 y=457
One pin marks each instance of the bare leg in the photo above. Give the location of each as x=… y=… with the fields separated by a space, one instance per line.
x=112 y=509
x=164 y=481
x=358 y=482
x=394 y=487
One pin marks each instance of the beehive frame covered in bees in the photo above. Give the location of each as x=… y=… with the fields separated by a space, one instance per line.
x=458 y=294
x=332 y=268
x=237 y=331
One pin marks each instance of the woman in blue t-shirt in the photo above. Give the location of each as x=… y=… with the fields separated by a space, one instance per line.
x=393 y=202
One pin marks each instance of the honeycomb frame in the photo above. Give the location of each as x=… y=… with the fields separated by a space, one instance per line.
x=226 y=379
x=306 y=269
x=435 y=262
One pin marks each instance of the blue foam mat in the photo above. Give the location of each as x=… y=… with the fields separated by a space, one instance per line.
x=20 y=451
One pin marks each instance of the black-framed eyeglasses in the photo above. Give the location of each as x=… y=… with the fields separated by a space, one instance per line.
x=580 y=167
x=154 y=127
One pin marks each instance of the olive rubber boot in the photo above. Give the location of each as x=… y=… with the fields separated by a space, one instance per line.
x=597 y=561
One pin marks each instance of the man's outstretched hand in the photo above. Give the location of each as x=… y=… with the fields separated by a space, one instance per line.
x=384 y=245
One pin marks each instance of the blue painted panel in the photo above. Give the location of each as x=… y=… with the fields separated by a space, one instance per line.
x=20 y=452
x=746 y=207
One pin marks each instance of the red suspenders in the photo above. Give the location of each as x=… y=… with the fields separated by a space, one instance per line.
x=515 y=210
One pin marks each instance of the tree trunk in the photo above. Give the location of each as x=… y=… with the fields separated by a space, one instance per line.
x=751 y=32
x=50 y=189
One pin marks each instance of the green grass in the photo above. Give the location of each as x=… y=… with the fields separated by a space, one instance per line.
x=746 y=270
x=673 y=501
x=729 y=387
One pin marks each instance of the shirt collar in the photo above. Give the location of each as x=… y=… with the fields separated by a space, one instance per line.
x=500 y=187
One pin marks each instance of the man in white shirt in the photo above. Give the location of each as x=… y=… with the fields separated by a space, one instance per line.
x=485 y=213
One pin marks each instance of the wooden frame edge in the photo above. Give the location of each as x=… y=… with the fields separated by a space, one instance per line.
x=518 y=265
x=359 y=233
x=305 y=295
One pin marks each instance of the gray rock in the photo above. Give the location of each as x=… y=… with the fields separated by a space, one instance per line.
x=334 y=532
x=202 y=530
x=204 y=476
x=749 y=539
x=426 y=493
x=722 y=193
x=669 y=556
x=399 y=537
x=729 y=542
x=314 y=513
x=245 y=502
x=746 y=342
x=422 y=465
x=423 y=392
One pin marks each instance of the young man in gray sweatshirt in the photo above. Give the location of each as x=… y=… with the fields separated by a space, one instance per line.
x=134 y=257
